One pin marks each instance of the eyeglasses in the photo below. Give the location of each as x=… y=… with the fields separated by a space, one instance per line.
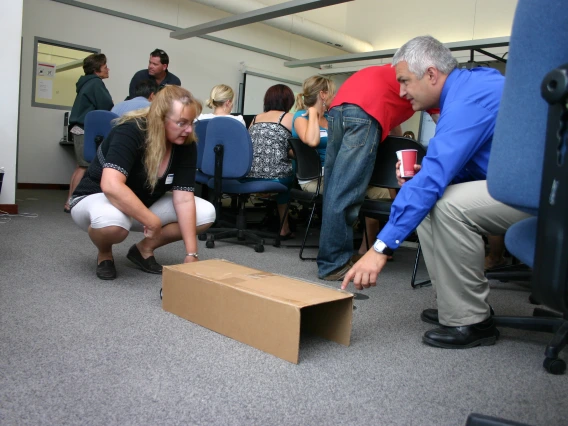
x=182 y=124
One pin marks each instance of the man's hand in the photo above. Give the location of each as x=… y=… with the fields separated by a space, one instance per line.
x=364 y=273
x=401 y=181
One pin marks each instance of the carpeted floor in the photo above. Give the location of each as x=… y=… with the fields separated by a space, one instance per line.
x=78 y=350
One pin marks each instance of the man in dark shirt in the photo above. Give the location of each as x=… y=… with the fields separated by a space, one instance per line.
x=157 y=70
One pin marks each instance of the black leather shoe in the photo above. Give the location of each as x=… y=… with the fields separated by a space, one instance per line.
x=468 y=336
x=431 y=315
x=147 y=265
x=106 y=270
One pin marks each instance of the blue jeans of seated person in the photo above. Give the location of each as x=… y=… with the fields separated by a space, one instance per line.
x=352 y=142
x=281 y=197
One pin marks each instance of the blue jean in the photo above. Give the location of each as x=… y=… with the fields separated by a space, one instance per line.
x=353 y=139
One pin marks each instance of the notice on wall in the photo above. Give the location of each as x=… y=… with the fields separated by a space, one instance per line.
x=45 y=69
x=44 y=89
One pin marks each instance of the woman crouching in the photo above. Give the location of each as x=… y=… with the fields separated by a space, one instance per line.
x=148 y=153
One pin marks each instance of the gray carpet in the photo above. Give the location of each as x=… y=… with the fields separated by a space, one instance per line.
x=78 y=350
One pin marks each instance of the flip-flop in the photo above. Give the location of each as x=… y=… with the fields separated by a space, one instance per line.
x=288 y=236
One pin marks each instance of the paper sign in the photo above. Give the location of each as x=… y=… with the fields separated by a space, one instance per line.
x=44 y=89
x=45 y=69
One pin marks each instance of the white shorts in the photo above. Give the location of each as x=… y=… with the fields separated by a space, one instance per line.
x=97 y=212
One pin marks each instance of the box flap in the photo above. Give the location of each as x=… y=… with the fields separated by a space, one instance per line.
x=285 y=290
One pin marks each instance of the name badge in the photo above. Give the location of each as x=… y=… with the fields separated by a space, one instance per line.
x=323 y=133
x=170 y=179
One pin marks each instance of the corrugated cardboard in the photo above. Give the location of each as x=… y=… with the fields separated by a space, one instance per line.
x=258 y=308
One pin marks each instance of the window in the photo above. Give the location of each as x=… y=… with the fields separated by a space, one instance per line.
x=57 y=67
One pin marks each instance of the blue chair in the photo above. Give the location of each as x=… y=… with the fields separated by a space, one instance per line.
x=201 y=132
x=227 y=157
x=528 y=168
x=97 y=126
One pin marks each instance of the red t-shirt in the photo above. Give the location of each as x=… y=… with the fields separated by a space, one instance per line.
x=376 y=91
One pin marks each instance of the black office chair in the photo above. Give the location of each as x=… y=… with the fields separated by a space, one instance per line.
x=536 y=174
x=308 y=167
x=384 y=177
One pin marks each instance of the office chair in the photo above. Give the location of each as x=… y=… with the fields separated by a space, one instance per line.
x=308 y=167
x=384 y=177
x=201 y=132
x=97 y=126
x=535 y=177
x=227 y=157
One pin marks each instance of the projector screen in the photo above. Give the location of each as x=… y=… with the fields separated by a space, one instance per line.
x=256 y=86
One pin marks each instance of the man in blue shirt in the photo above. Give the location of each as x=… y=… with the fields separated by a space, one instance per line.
x=447 y=200
x=143 y=95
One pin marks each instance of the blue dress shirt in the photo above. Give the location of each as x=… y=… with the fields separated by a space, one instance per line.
x=458 y=152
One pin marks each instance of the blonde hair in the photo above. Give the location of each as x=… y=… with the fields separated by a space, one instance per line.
x=152 y=121
x=219 y=95
x=310 y=91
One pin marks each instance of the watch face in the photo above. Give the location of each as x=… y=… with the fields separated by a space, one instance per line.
x=379 y=246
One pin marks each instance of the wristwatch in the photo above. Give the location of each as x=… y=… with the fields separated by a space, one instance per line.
x=381 y=247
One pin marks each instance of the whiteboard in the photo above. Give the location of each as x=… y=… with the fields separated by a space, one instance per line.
x=427 y=129
x=256 y=86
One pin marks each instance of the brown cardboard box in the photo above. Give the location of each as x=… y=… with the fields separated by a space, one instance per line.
x=258 y=308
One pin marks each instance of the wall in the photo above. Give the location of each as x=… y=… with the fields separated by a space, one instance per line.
x=199 y=63
x=10 y=22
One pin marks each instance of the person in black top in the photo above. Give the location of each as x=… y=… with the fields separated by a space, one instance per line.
x=157 y=70
x=147 y=153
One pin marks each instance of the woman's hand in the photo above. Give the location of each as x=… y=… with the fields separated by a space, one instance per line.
x=190 y=259
x=153 y=229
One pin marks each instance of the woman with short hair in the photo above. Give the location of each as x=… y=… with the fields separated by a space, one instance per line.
x=148 y=153
x=269 y=133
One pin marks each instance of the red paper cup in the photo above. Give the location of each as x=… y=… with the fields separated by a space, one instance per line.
x=407 y=159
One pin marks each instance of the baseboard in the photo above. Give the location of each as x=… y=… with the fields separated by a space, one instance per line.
x=43 y=186
x=9 y=208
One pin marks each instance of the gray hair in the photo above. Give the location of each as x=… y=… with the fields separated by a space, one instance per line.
x=423 y=52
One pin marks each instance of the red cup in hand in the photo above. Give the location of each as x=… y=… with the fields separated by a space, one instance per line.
x=407 y=159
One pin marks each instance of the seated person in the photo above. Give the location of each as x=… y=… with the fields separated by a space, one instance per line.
x=143 y=95
x=409 y=134
x=221 y=102
x=447 y=199
x=269 y=132
x=310 y=126
x=148 y=153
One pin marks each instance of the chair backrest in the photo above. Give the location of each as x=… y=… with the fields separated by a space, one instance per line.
x=515 y=165
x=237 y=147
x=201 y=132
x=523 y=147
x=98 y=124
x=308 y=163
x=384 y=174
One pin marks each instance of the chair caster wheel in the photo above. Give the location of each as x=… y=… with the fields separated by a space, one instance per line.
x=554 y=365
x=259 y=248
x=160 y=294
x=202 y=237
x=210 y=244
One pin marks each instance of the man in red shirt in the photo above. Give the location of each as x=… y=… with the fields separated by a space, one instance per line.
x=366 y=108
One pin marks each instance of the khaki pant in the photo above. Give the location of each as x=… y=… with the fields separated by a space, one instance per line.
x=373 y=192
x=454 y=250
